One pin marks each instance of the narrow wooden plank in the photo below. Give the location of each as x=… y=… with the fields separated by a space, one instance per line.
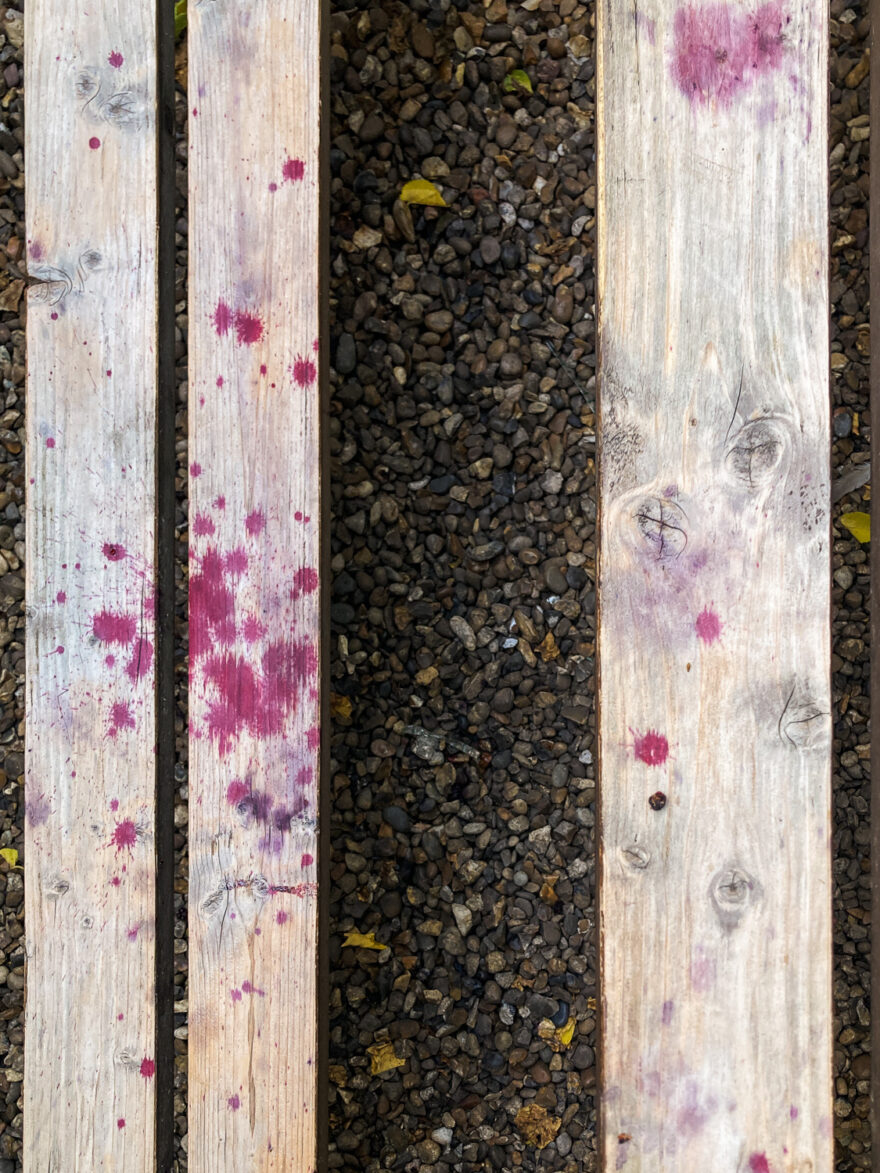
x=254 y=601
x=89 y=832
x=714 y=587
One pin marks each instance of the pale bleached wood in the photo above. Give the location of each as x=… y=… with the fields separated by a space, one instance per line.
x=89 y=847
x=254 y=93
x=714 y=588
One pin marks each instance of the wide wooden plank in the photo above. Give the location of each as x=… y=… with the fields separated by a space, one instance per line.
x=254 y=641
x=89 y=834
x=714 y=587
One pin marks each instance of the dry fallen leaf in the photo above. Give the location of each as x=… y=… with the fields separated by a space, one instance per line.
x=536 y=1125
x=559 y=1037
x=548 y=647
x=362 y=941
x=421 y=191
x=10 y=855
x=340 y=706
x=382 y=1058
x=858 y=524
x=548 y=890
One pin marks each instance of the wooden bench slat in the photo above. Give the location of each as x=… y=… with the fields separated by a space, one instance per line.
x=714 y=587
x=90 y=775
x=254 y=522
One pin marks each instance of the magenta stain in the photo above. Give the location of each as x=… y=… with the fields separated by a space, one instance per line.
x=50 y=443
x=111 y=628
x=294 y=170
x=758 y=1163
x=61 y=597
x=313 y=737
x=307 y=860
x=263 y=368
x=667 y=1013
x=212 y=607
x=281 y=917
x=109 y=374
x=219 y=380
x=255 y=522
x=316 y=345
x=719 y=50
x=273 y=187
x=235 y=995
x=54 y=316
x=119 y=1017
x=195 y=469
x=247 y=988
x=125 y=835
x=304 y=372
x=234 y=1103
x=36 y=250
x=116 y=59
x=133 y=932
x=141 y=660
x=220 y=502
x=121 y=717
x=793 y=1112
x=305 y=582
x=708 y=626
x=148 y=1068
x=116 y=881
x=120 y=1123
x=253 y=629
x=235 y=563
x=236 y=791
x=94 y=142
x=203 y=526
x=248 y=328
x=114 y=804
x=113 y=551
x=652 y=748
x=222 y=319
x=59 y=651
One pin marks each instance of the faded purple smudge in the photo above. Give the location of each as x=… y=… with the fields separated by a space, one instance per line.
x=667 y=1013
x=719 y=50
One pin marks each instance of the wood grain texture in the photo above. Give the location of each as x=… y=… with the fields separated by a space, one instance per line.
x=90 y=865
x=254 y=600
x=714 y=588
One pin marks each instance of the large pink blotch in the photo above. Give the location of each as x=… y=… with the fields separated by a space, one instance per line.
x=304 y=371
x=652 y=748
x=708 y=626
x=112 y=628
x=248 y=328
x=124 y=836
x=758 y=1163
x=121 y=717
x=294 y=170
x=148 y=1068
x=719 y=50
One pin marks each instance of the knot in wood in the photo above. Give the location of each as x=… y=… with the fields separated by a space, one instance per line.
x=663 y=526
x=57 y=887
x=635 y=856
x=755 y=453
x=732 y=891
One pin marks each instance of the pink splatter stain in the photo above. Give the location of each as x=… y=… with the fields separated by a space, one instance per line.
x=120 y=1123
x=758 y=1163
x=253 y=630
x=141 y=661
x=121 y=717
x=94 y=142
x=125 y=835
x=116 y=59
x=203 y=526
x=305 y=582
x=235 y=995
x=304 y=372
x=313 y=737
x=133 y=932
x=247 y=988
x=212 y=607
x=148 y=1068
x=114 y=804
x=667 y=1013
x=111 y=628
x=235 y=563
x=113 y=551
x=281 y=917
x=195 y=469
x=719 y=50
x=248 y=328
x=116 y=881
x=652 y=748
x=236 y=791
x=307 y=860
x=222 y=319
x=50 y=442
x=59 y=651
x=61 y=597
x=255 y=522
x=708 y=626
x=294 y=170
x=234 y=1103
x=220 y=502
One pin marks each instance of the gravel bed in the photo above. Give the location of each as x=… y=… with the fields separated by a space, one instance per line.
x=463 y=608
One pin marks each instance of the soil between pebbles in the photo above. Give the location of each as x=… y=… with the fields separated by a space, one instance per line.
x=463 y=546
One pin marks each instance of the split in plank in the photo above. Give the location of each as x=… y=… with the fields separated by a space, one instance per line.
x=255 y=643
x=91 y=737
x=714 y=587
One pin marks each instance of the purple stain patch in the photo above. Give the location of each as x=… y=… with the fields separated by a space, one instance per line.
x=234 y=1103
x=708 y=626
x=719 y=50
x=667 y=1013
x=116 y=59
x=113 y=551
x=294 y=170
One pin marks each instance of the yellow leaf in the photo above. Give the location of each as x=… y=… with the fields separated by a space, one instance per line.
x=340 y=706
x=548 y=890
x=566 y=1033
x=10 y=855
x=518 y=79
x=362 y=941
x=559 y=1037
x=421 y=191
x=382 y=1058
x=536 y=1125
x=548 y=647
x=858 y=524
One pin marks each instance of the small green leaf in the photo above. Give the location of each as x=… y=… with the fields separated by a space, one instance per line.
x=858 y=524
x=421 y=191
x=10 y=855
x=179 y=18
x=518 y=80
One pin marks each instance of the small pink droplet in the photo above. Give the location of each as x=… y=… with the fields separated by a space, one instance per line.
x=94 y=142
x=50 y=443
x=116 y=59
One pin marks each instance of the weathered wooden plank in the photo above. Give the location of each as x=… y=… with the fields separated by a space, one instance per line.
x=89 y=831
x=254 y=601
x=714 y=587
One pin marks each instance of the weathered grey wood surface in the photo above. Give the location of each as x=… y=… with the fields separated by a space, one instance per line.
x=89 y=826
x=254 y=89
x=714 y=588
